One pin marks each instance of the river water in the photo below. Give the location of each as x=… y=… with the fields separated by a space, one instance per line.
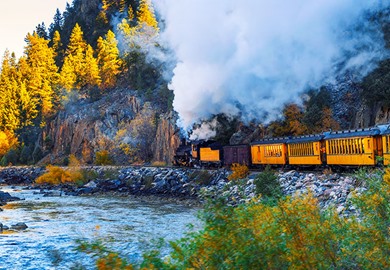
x=126 y=225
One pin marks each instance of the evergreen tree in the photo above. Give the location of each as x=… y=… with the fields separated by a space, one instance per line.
x=42 y=74
x=108 y=59
x=57 y=23
x=80 y=69
x=57 y=48
x=9 y=109
x=41 y=31
x=74 y=62
x=145 y=15
x=91 y=69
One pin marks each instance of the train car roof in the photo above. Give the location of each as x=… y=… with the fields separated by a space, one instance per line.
x=271 y=141
x=368 y=132
x=307 y=138
x=385 y=129
x=235 y=146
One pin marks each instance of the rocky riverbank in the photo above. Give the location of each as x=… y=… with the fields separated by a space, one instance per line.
x=183 y=184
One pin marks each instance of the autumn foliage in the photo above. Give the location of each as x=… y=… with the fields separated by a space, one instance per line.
x=239 y=171
x=56 y=175
x=66 y=63
x=294 y=233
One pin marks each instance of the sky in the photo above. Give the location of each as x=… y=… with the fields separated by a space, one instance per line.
x=17 y=18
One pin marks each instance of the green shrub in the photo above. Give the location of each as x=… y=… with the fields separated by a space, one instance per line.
x=293 y=233
x=201 y=177
x=103 y=158
x=267 y=184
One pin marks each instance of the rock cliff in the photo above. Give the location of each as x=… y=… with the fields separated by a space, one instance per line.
x=121 y=123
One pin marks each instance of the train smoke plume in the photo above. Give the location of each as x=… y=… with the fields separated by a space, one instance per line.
x=250 y=57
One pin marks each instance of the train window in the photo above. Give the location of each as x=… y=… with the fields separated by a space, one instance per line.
x=344 y=146
x=351 y=146
x=368 y=144
x=388 y=144
x=338 y=149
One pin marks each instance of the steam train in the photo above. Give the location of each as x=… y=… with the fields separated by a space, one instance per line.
x=348 y=148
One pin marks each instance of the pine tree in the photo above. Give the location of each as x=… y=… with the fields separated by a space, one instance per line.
x=91 y=76
x=41 y=31
x=130 y=14
x=9 y=109
x=57 y=23
x=42 y=74
x=74 y=62
x=80 y=69
x=145 y=15
x=57 y=48
x=108 y=59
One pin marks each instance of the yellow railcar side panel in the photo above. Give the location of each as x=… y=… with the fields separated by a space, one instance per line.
x=308 y=160
x=386 y=149
x=358 y=160
x=317 y=148
x=274 y=154
x=361 y=154
x=208 y=155
x=306 y=153
x=255 y=153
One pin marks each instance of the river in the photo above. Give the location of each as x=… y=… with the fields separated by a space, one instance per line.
x=127 y=225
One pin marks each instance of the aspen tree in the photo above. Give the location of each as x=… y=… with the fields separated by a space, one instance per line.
x=73 y=70
x=145 y=15
x=91 y=75
x=108 y=59
x=42 y=72
x=9 y=109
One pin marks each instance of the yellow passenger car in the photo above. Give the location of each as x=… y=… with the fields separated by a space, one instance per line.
x=386 y=146
x=306 y=150
x=269 y=151
x=355 y=148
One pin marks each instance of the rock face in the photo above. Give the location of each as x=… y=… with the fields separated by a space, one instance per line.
x=167 y=139
x=108 y=124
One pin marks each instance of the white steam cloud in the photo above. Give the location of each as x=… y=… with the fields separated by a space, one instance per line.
x=252 y=56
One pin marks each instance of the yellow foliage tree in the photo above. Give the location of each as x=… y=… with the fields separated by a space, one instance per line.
x=42 y=73
x=239 y=171
x=108 y=59
x=8 y=140
x=80 y=66
x=9 y=92
x=145 y=15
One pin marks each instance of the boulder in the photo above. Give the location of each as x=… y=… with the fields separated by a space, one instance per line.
x=20 y=226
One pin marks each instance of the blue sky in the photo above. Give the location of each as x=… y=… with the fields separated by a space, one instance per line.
x=18 y=17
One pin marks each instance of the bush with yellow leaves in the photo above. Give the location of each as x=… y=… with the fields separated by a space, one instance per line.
x=239 y=171
x=56 y=175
